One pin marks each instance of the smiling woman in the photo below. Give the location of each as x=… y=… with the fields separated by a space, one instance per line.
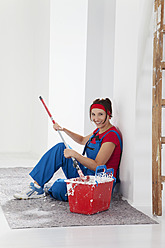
x=102 y=147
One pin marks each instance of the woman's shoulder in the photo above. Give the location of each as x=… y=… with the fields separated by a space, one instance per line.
x=116 y=129
x=111 y=133
x=113 y=128
x=108 y=132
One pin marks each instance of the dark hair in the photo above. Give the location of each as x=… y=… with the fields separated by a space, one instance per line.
x=106 y=103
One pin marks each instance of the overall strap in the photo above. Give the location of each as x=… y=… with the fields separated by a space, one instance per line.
x=90 y=139
x=121 y=145
x=93 y=135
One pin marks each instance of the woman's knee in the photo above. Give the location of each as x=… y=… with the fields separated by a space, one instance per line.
x=58 y=146
x=59 y=190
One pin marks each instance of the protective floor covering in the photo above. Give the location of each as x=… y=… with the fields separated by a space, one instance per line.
x=47 y=212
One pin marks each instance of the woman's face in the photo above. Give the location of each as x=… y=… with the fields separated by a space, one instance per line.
x=98 y=117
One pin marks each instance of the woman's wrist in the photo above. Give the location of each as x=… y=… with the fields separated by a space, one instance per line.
x=64 y=129
x=75 y=154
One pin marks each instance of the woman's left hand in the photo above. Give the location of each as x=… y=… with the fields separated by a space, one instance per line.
x=68 y=153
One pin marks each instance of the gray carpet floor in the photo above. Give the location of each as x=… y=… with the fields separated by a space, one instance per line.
x=47 y=212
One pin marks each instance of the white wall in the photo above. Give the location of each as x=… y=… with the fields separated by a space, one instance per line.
x=24 y=50
x=129 y=85
x=68 y=26
x=143 y=125
x=100 y=54
x=16 y=76
x=41 y=29
x=125 y=85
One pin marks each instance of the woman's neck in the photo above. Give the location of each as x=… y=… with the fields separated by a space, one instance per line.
x=105 y=128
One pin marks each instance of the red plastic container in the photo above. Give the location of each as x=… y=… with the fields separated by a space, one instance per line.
x=88 y=196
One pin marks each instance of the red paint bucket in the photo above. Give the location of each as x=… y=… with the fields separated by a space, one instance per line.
x=89 y=196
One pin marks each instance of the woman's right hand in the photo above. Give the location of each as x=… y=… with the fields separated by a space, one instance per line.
x=57 y=127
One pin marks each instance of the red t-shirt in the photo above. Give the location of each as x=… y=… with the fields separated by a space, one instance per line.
x=114 y=160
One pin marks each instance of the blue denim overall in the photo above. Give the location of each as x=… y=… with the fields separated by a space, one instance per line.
x=53 y=159
x=96 y=147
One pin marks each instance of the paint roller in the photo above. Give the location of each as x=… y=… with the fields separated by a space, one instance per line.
x=75 y=163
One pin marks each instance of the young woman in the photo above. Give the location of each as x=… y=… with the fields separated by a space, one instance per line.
x=102 y=147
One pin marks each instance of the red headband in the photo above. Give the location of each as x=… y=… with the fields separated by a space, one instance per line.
x=100 y=106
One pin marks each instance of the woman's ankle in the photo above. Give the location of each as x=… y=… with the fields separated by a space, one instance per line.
x=36 y=184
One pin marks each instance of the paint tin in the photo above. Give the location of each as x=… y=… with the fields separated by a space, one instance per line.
x=89 y=196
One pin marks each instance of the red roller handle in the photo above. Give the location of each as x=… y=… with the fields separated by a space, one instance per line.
x=47 y=110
